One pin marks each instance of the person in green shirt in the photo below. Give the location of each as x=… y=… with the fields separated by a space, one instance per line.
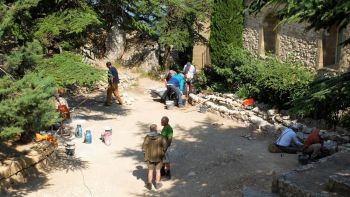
x=167 y=133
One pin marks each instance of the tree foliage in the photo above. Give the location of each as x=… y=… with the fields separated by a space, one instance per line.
x=226 y=28
x=67 y=69
x=25 y=104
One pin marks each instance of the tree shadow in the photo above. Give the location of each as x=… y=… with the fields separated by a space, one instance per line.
x=28 y=167
x=93 y=108
x=214 y=160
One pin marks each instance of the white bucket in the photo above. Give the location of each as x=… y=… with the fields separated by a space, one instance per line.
x=169 y=104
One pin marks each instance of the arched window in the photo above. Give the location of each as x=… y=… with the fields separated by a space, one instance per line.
x=331 y=47
x=270 y=34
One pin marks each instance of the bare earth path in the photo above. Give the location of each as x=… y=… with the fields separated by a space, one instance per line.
x=210 y=158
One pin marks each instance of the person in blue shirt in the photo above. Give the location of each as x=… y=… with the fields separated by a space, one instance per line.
x=288 y=141
x=176 y=84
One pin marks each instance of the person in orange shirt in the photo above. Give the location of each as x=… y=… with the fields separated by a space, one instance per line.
x=314 y=142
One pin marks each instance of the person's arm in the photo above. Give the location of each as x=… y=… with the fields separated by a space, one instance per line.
x=182 y=82
x=296 y=140
x=145 y=143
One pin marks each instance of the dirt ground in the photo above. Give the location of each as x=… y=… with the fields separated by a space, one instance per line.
x=209 y=156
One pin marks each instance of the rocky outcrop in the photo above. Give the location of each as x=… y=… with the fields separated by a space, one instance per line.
x=115 y=43
x=141 y=53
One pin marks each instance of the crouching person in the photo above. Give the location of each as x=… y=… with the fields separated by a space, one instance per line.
x=154 y=148
x=288 y=142
x=313 y=144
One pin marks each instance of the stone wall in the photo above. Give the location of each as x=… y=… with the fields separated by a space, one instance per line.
x=298 y=44
x=293 y=42
x=345 y=54
x=251 y=34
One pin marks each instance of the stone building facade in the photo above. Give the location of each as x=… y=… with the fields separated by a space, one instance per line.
x=318 y=50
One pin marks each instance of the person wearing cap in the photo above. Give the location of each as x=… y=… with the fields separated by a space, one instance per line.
x=113 y=81
x=288 y=141
x=154 y=147
x=314 y=142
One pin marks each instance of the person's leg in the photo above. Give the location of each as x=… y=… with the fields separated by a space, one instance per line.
x=158 y=183
x=178 y=96
x=288 y=149
x=315 y=149
x=109 y=95
x=150 y=175
x=116 y=93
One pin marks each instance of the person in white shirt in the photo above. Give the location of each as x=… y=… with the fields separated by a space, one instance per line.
x=189 y=71
x=288 y=141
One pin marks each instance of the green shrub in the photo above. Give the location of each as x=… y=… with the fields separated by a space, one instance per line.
x=25 y=104
x=326 y=98
x=67 y=69
x=272 y=81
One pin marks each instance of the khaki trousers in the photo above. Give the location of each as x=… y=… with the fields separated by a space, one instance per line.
x=113 y=89
x=314 y=150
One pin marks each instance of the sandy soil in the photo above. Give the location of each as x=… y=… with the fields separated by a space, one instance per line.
x=209 y=157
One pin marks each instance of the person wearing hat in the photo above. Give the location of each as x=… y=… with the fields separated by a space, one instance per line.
x=314 y=142
x=288 y=141
x=154 y=147
x=113 y=81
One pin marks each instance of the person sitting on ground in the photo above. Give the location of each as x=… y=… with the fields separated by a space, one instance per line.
x=167 y=133
x=314 y=142
x=154 y=147
x=175 y=84
x=288 y=141
x=189 y=71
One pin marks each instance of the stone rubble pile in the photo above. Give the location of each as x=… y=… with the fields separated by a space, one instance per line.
x=260 y=118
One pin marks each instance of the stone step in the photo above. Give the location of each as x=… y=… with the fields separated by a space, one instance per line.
x=326 y=178
x=250 y=192
x=340 y=183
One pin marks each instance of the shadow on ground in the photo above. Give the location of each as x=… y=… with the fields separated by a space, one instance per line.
x=213 y=160
x=83 y=106
x=33 y=178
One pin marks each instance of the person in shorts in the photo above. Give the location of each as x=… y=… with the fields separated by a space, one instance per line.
x=167 y=133
x=154 y=148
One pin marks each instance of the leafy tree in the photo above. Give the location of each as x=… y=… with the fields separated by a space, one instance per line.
x=174 y=24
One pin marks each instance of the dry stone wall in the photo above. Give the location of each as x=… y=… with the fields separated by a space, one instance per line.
x=298 y=44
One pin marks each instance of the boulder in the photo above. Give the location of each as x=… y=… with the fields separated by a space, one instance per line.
x=115 y=43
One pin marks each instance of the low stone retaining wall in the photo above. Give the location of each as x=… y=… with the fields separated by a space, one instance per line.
x=327 y=168
x=260 y=118
x=17 y=170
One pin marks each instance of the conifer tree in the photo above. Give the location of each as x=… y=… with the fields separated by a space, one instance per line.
x=226 y=27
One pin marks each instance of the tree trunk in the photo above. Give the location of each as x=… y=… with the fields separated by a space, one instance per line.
x=167 y=57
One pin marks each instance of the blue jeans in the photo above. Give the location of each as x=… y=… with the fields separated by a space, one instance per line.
x=172 y=88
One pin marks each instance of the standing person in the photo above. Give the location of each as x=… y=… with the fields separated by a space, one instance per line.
x=113 y=81
x=154 y=147
x=189 y=71
x=288 y=141
x=167 y=133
